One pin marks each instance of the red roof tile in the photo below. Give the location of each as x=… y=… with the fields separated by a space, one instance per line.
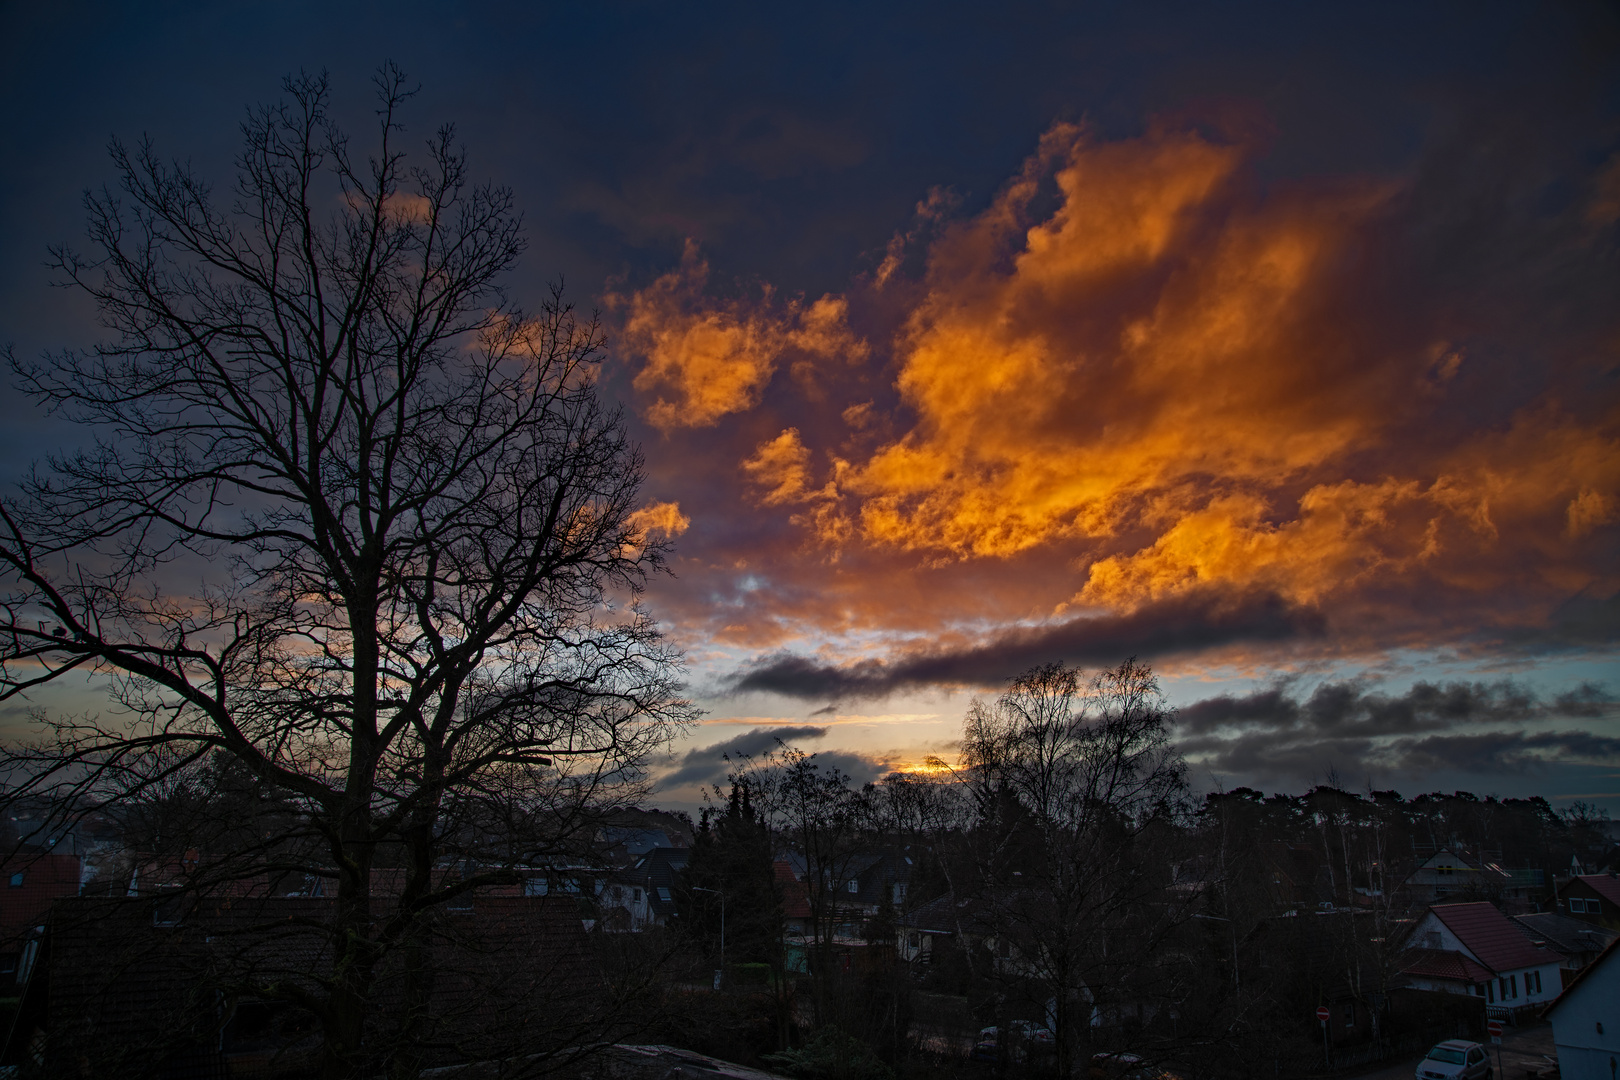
x=1492 y=937
x=795 y=897
x=41 y=880
x=1443 y=964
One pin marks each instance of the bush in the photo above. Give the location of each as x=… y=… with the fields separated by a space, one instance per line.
x=831 y=1055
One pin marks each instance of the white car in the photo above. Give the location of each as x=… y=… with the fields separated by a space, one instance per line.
x=1455 y=1059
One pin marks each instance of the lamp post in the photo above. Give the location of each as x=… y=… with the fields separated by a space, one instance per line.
x=718 y=975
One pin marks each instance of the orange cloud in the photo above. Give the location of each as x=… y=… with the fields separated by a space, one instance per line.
x=704 y=358
x=782 y=467
x=659 y=517
x=1146 y=334
x=1140 y=382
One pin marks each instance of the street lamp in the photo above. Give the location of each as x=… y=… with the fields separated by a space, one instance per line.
x=718 y=975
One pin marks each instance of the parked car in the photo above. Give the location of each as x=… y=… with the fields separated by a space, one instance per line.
x=1455 y=1059
x=1018 y=1040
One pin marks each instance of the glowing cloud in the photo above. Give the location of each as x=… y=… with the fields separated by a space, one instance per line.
x=1153 y=390
x=704 y=358
x=661 y=517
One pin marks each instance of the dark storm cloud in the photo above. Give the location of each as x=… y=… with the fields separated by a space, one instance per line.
x=1351 y=708
x=1181 y=626
x=1288 y=737
x=1261 y=757
x=710 y=764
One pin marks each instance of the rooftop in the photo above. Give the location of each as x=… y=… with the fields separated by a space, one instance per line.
x=1491 y=936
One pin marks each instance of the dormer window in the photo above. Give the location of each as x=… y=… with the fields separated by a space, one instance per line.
x=854 y=886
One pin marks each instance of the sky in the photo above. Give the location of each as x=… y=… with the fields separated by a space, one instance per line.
x=1275 y=345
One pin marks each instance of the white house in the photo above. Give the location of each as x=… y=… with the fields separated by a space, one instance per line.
x=1475 y=949
x=1586 y=1020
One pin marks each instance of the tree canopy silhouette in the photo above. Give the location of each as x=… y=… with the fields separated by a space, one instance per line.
x=349 y=519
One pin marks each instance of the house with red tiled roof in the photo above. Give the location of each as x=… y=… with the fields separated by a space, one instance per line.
x=1475 y=949
x=795 y=900
x=29 y=884
x=1593 y=898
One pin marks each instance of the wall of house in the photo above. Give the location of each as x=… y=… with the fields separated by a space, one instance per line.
x=1551 y=986
x=1596 y=909
x=1431 y=924
x=1586 y=1026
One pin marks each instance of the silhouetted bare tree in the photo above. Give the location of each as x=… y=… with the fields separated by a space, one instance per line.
x=351 y=520
x=1079 y=791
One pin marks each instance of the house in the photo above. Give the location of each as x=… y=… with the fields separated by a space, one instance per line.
x=1475 y=949
x=796 y=912
x=1579 y=942
x=623 y=845
x=624 y=903
x=661 y=869
x=921 y=933
x=872 y=880
x=1592 y=898
x=989 y=921
x=32 y=882
x=1447 y=875
x=1586 y=1020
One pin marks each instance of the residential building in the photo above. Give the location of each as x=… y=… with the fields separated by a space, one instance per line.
x=1586 y=1020
x=30 y=882
x=1592 y=898
x=1446 y=875
x=1576 y=940
x=1474 y=949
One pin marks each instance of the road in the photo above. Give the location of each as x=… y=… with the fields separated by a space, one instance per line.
x=1525 y=1052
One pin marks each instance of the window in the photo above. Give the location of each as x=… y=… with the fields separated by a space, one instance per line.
x=1532 y=982
x=637 y=894
x=167 y=911
x=663 y=894
x=914 y=940
x=17 y=880
x=1577 y=906
x=536 y=886
x=899 y=893
x=854 y=886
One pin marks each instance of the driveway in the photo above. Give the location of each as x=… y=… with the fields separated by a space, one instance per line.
x=1526 y=1052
